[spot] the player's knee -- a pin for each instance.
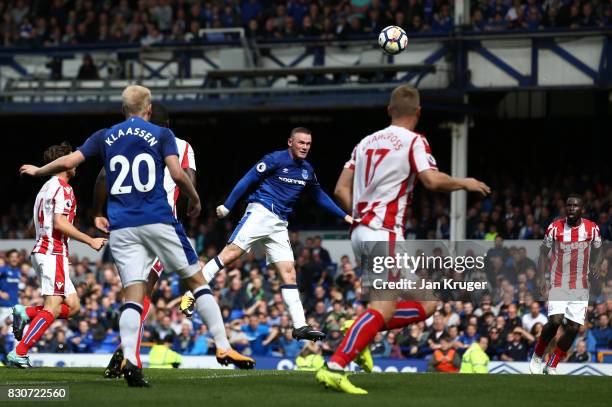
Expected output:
(572, 328)
(556, 319)
(230, 253)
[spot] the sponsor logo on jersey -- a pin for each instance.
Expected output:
(305, 174)
(261, 167)
(292, 181)
(285, 170)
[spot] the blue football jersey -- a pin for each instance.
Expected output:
(133, 153)
(280, 180)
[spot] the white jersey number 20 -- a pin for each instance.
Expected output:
(124, 164)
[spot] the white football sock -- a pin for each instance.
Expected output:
(212, 268)
(211, 315)
(291, 296)
(129, 328)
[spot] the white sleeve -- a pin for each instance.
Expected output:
(596, 237)
(549, 237)
(62, 200)
(190, 158)
(420, 156)
(350, 164)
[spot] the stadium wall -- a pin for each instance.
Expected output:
(272, 363)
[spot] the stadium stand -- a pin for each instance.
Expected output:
(62, 22)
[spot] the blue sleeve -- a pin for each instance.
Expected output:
(324, 200)
(258, 172)
(168, 143)
(93, 145)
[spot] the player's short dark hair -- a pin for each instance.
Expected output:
(575, 196)
(8, 253)
(56, 151)
(299, 130)
(159, 115)
(404, 101)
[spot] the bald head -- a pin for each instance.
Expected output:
(136, 100)
(405, 102)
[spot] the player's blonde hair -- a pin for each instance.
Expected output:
(404, 102)
(136, 100)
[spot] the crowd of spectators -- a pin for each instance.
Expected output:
(148, 22)
(257, 323)
(511, 314)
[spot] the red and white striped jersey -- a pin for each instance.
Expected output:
(187, 160)
(56, 196)
(571, 250)
(386, 165)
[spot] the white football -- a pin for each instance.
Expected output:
(393, 39)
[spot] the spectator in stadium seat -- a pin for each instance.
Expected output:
(379, 347)
(603, 332)
(469, 337)
(517, 347)
(534, 316)
(201, 342)
(331, 341)
(88, 70)
(10, 275)
(496, 344)
(59, 343)
(290, 348)
(183, 343)
(82, 341)
(260, 335)
(580, 354)
(436, 332)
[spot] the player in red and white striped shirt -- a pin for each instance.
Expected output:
(54, 212)
(572, 241)
(377, 184)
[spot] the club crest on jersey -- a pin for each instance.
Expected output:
(68, 204)
(261, 167)
(305, 174)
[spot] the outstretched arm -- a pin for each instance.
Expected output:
(441, 182)
(64, 163)
(249, 179)
(326, 202)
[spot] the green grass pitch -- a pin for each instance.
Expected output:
(201, 387)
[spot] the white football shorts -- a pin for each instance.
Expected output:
(363, 233)
(54, 273)
(134, 248)
(259, 225)
(575, 304)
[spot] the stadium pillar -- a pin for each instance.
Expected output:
(462, 13)
(459, 159)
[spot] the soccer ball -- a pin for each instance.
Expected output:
(393, 39)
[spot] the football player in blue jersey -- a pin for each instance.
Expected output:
(142, 224)
(280, 178)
